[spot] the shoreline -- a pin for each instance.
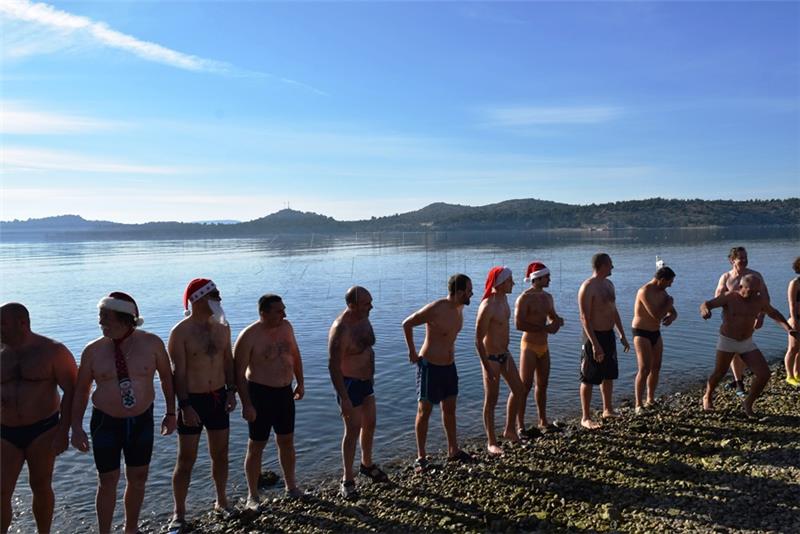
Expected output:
(674, 468)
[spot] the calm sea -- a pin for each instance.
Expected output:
(61, 282)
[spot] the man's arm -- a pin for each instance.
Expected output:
(230, 376)
(481, 329)
(794, 313)
(764, 293)
(520, 313)
(299, 388)
(556, 322)
(420, 317)
(717, 302)
(177, 353)
(335, 354)
(66, 374)
(585, 298)
(645, 297)
(170, 421)
(778, 317)
(621, 331)
(722, 285)
(83, 386)
(242, 352)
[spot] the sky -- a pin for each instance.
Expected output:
(200, 110)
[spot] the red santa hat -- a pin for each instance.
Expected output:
(536, 270)
(497, 275)
(123, 303)
(197, 289)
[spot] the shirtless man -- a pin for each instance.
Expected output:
(535, 315)
(351, 364)
(653, 307)
(491, 342)
(740, 309)
(35, 421)
(200, 350)
(597, 303)
(792, 360)
(437, 379)
(121, 364)
(729, 281)
(266, 358)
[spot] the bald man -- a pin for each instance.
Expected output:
(35, 420)
(740, 308)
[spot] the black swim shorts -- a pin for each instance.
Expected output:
(114, 435)
(274, 409)
(357, 390)
(22, 436)
(593, 372)
(210, 408)
(436, 382)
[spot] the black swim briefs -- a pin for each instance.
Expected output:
(274, 409)
(436, 382)
(652, 335)
(499, 358)
(210, 408)
(113, 435)
(22, 436)
(593, 372)
(357, 390)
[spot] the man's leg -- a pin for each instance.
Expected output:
(542, 376)
(135, 480)
(720, 368)
(41, 459)
(182, 475)
(607, 393)
(737, 369)
(790, 360)
(449, 423)
(586, 407)
(761, 373)
(252, 467)
(286, 456)
(491, 389)
(424, 409)
(515, 398)
(218, 450)
(368, 420)
(106, 499)
(644, 358)
(655, 370)
(352, 431)
(11, 460)
(527, 367)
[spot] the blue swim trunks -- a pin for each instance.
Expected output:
(436, 382)
(357, 390)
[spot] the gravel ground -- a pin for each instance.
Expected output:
(673, 469)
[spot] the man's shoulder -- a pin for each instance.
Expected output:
(149, 337)
(182, 325)
(96, 344)
(49, 346)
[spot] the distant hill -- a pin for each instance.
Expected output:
(518, 214)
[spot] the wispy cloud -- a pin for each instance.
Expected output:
(19, 118)
(64, 26)
(517, 116)
(25, 159)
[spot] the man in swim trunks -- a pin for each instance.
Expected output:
(535, 315)
(740, 309)
(200, 349)
(491, 342)
(729, 281)
(121, 364)
(35, 420)
(792, 359)
(351, 365)
(653, 307)
(597, 303)
(266, 359)
(437, 378)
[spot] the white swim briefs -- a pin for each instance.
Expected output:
(726, 344)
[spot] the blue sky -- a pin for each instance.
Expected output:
(195, 110)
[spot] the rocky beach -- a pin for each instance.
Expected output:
(673, 468)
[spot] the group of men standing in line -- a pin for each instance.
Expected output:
(201, 368)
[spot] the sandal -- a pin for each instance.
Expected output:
(176, 525)
(374, 473)
(461, 456)
(421, 465)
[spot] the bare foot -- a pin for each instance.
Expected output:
(649, 403)
(591, 425)
(707, 405)
(494, 450)
(748, 409)
(512, 437)
(543, 423)
(608, 414)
